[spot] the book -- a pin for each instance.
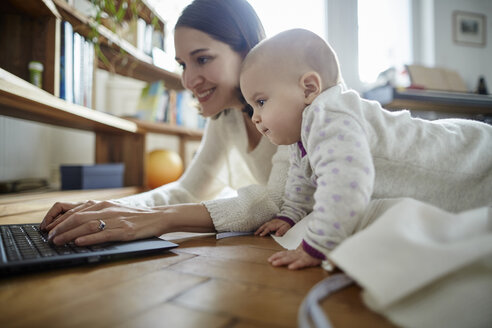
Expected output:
(77, 68)
(436, 78)
(87, 73)
(66, 62)
(152, 100)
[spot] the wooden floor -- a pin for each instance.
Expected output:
(204, 282)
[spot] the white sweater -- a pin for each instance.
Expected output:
(222, 162)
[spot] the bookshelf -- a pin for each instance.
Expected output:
(30, 29)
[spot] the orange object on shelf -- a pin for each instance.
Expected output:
(163, 166)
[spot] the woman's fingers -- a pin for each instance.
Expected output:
(71, 218)
(60, 236)
(82, 224)
(56, 210)
(70, 209)
(116, 234)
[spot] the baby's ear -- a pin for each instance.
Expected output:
(311, 84)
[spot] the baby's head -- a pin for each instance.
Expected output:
(284, 74)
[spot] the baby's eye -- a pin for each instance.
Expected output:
(261, 102)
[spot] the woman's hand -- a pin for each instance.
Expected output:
(80, 222)
(294, 259)
(278, 226)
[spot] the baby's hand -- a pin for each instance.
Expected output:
(294, 259)
(278, 225)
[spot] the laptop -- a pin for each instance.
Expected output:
(25, 248)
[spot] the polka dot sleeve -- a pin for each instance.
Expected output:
(299, 190)
(340, 158)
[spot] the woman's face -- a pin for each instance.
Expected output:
(210, 70)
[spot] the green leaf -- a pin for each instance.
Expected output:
(121, 13)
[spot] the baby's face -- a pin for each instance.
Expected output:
(277, 101)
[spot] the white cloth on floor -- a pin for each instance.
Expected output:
(421, 266)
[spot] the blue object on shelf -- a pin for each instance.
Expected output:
(92, 176)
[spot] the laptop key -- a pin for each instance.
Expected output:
(13, 254)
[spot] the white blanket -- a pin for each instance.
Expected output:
(421, 266)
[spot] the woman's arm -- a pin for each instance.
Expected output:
(123, 222)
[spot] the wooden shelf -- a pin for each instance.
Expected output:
(165, 128)
(184, 134)
(33, 8)
(428, 100)
(21, 99)
(132, 63)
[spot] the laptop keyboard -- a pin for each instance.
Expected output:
(27, 241)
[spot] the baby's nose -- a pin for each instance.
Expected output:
(256, 118)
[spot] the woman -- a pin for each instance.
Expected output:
(211, 39)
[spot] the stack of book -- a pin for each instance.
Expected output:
(77, 67)
(158, 104)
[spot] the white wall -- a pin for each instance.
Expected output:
(469, 61)
(343, 37)
(35, 150)
(432, 37)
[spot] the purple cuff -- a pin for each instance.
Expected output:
(313, 251)
(286, 219)
(301, 147)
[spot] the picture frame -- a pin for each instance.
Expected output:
(469, 28)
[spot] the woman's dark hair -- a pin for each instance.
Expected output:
(233, 22)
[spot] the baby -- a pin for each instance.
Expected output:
(346, 150)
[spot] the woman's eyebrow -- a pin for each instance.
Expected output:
(194, 52)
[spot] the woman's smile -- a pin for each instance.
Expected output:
(203, 96)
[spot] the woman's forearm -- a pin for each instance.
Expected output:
(185, 217)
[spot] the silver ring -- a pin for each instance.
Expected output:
(102, 225)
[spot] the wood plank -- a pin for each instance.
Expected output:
(75, 195)
(346, 309)
(192, 240)
(16, 204)
(251, 240)
(21, 99)
(430, 100)
(34, 8)
(234, 252)
(265, 305)
(166, 128)
(46, 49)
(65, 302)
(103, 275)
(31, 217)
(172, 315)
(241, 323)
(260, 274)
(20, 52)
